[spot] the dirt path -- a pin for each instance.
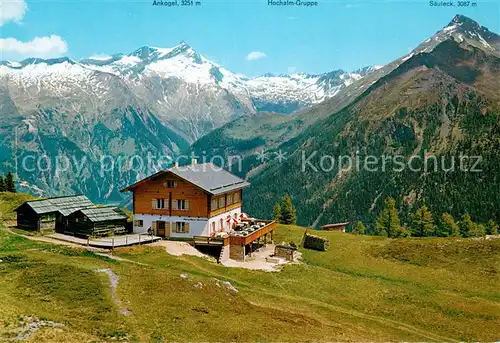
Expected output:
(54, 241)
(113, 282)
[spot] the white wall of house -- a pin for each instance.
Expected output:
(223, 216)
(197, 226)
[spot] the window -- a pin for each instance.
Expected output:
(221, 224)
(182, 205)
(229, 199)
(138, 223)
(160, 204)
(214, 204)
(171, 184)
(236, 197)
(222, 202)
(181, 227)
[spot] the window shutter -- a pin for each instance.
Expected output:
(154, 204)
(186, 227)
(153, 227)
(166, 203)
(174, 205)
(186, 204)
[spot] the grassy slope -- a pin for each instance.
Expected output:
(364, 288)
(9, 201)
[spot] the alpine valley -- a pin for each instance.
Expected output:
(151, 103)
(441, 99)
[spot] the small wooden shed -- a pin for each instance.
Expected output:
(335, 227)
(49, 214)
(97, 221)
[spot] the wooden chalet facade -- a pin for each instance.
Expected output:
(183, 202)
(199, 203)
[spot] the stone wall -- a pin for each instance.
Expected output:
(316, 242)
(284, 252)
(236, 252)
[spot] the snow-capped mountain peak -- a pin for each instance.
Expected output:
(463, 30)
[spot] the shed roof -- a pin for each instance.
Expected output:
(207, 176)
(330, 226)
(64, 205)
(100, 214)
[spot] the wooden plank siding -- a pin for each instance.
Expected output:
(227, 207)
(27, 219)
(200, 202)
(156, 189)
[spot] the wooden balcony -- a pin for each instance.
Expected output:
(235, 239)
(244, 240)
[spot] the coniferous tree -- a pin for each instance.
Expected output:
(467, 226)
(359, 229)
(479, 230)
(448, 227)
(388, 223)
(10, 186)
(491, 228)
(277, 213)
(288, 214)
(422, 223)
(2, 184)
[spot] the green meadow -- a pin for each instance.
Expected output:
(363, 288)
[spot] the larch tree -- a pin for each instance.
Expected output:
(10, 186)
(3, 188)
(467, 226)
(288, 214)
(277, 213)
(359, 229)
(491, 228)
(423, 223)
(448, 227)
(388, 223)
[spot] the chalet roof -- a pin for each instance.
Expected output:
(99, 214)
(329, 226)
(64, 205)
(207, 176)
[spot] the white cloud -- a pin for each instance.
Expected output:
(255, 55)
(100, 57)
(12, 10)
(38, 47)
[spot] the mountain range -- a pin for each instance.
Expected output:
(188, 93)
(442, 98)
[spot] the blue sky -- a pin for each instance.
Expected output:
(333, 35)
